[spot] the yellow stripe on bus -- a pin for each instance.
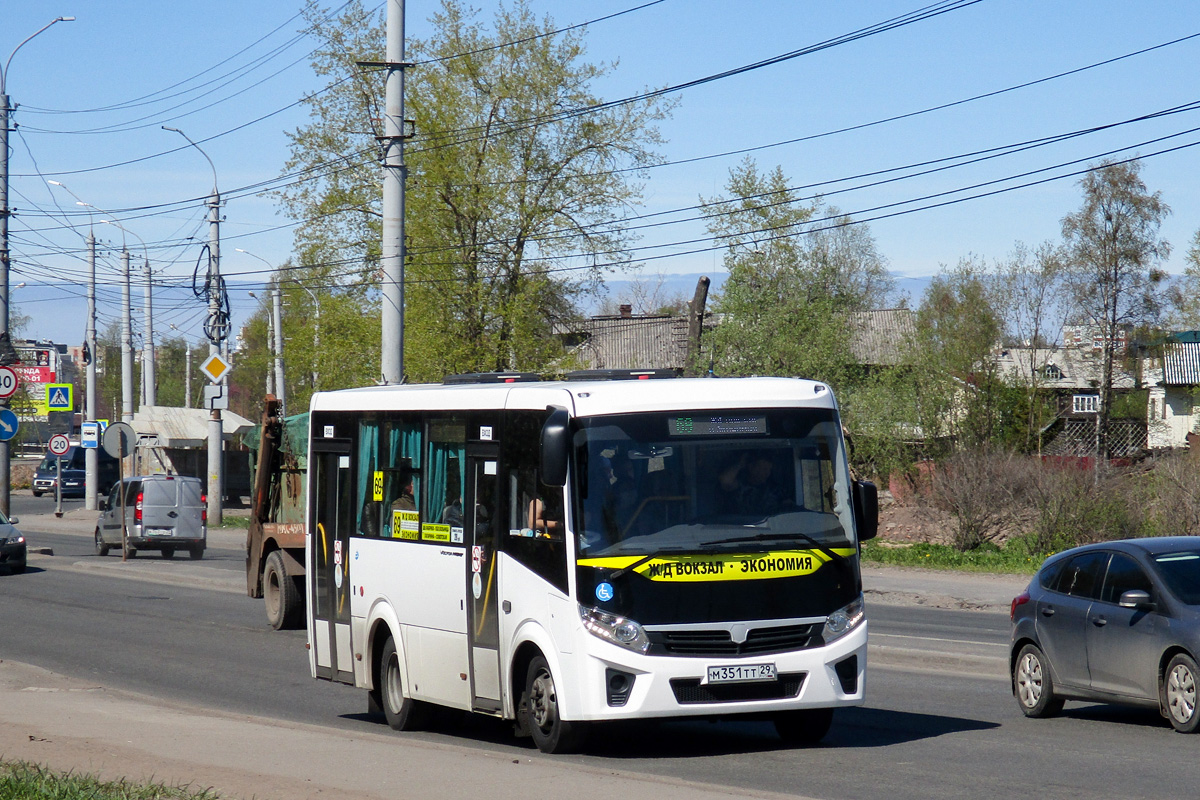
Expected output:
(722, 567)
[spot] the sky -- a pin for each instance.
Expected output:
(851, 122)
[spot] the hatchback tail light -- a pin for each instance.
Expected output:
(204, 508)
(137, 508)
(1019, 600)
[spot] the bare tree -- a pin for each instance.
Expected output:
(1113, 251)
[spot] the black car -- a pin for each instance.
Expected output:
(12, 546)
(74, 473)
(1115, 622)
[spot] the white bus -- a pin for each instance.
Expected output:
(562, 553)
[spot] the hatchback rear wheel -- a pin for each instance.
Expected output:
(1179, 693)
(1032, 684)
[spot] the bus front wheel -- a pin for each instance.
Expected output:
(551, 733)
(402, 713)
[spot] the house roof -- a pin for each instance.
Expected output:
(1181, 364)
(184, 427)
(650, 342)
(1063, 368)
(882, 337)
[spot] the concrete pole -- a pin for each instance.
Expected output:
(91, 456)
(395, 173)
(187, 374)
(216, 465)
(5, 107)
(5, 465)
(149, 394)
(126, 342)
(277, 320)
(270, 341)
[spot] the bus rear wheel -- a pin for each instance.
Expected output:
(402, 713)
(804, 727)
(551, 733)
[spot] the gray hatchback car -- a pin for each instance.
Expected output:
(1115, 622)
(162, 512)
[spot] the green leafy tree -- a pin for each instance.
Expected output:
(1183, 295)
(793, 280)
(515, 176)
(1113, 255)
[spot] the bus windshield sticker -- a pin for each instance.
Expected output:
(722, 567)
(406, 525)
(435, 533)
(377, 487)
(456, 535)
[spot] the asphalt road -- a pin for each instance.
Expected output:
(940, 727)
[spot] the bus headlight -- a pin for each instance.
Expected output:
(616, 629)
(844, 620)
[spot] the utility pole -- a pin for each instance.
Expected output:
(91, 455)
(217, 329)
(126, 341)
(277, 324)
(149, 393)
(395, 174)
(5, 108)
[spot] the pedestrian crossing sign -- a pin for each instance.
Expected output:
(60, 397)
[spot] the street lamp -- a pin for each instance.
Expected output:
(91, 413)
(5, 107)
(187, 367)
(216, 330)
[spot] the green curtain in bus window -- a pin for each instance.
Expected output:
(368, 451)
(403, 462)
(445, 475)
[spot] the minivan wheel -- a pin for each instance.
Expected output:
(101, 547)
(168, 552)
(1179, 692)
(1032, 684)
(197, 552)
(130, 552)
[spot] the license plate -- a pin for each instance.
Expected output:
(741, 673)
(160, 532)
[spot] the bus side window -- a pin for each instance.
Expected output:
(535, 514)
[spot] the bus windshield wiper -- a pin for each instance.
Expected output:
(771, 537)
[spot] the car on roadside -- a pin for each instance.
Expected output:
(161, 512)
(1113, 622)
(13, 550)
(74, 473)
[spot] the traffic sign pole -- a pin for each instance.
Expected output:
(58, 445)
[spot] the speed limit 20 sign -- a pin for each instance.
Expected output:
(8, 382)
(59, 444)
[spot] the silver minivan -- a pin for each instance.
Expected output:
(162, 512)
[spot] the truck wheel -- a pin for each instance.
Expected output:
(101, 547)
(280, 594)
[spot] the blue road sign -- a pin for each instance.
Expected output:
(8, 424)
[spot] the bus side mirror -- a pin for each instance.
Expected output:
(866, 510)
(556, 444)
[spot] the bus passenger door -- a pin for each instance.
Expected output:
(332, 519)
(482, 534)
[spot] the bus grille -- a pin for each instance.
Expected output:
(690, 690)
(717, 642)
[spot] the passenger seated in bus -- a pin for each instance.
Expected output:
(746, 486)
(545, 518)
(406, 501)
(452, 514)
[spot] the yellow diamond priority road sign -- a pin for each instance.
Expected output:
(215, 367)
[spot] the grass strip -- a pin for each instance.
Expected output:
(20, 780)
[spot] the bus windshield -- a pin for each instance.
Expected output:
(710, 482)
